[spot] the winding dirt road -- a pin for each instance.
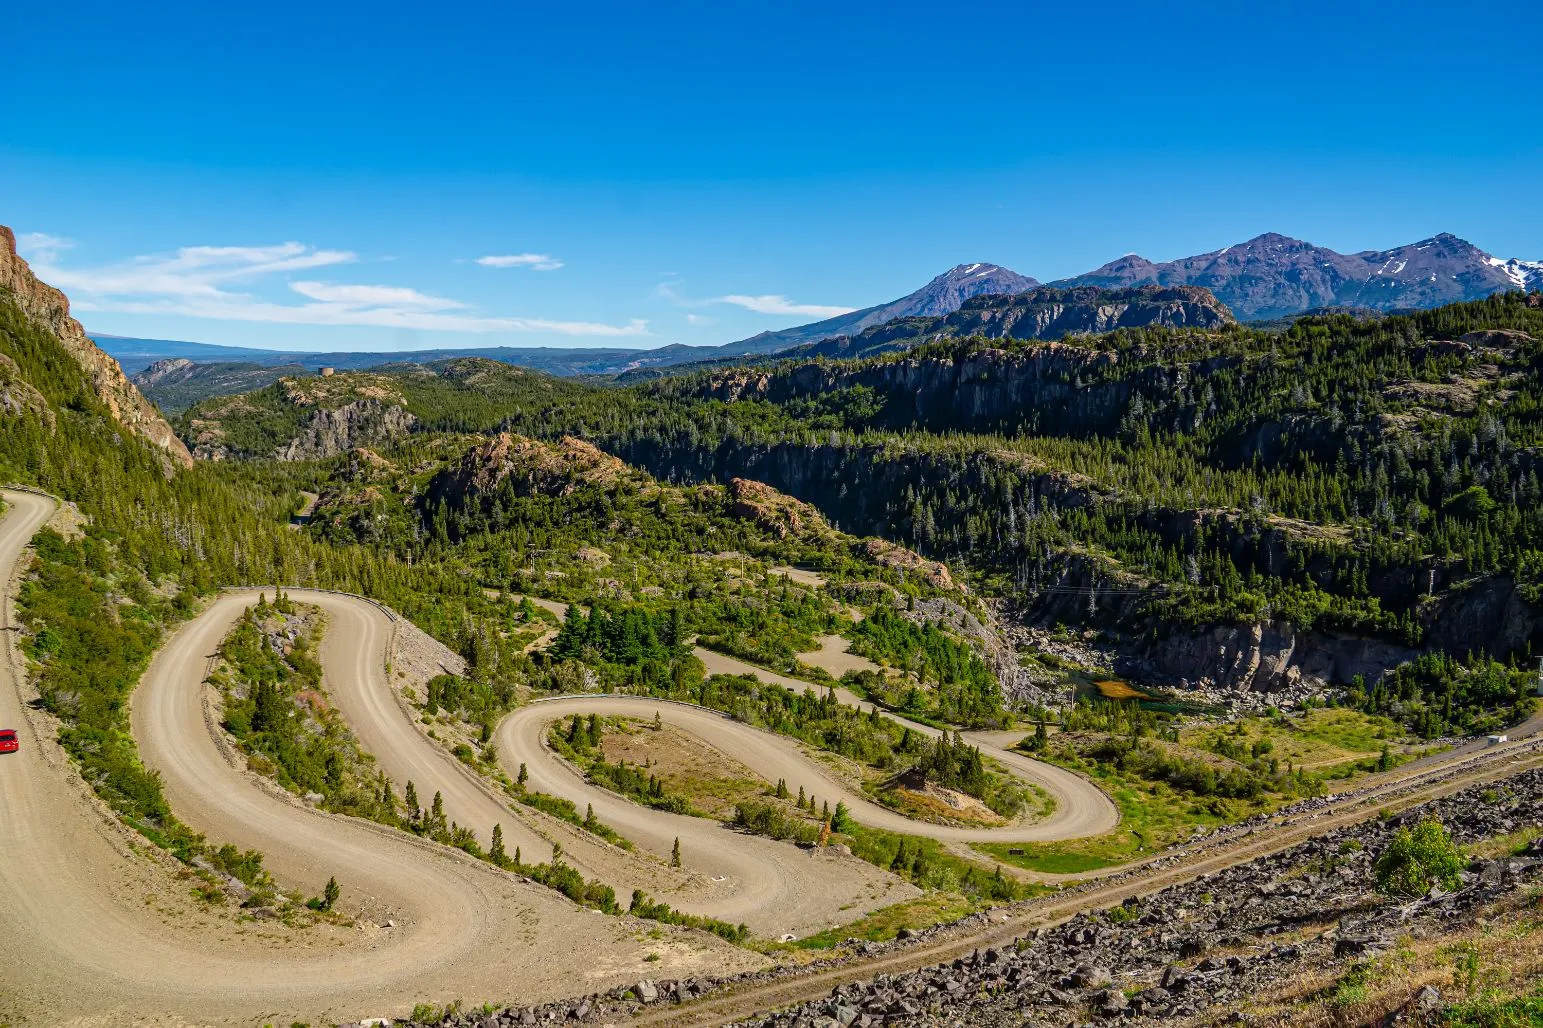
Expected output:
(96, 930)
(1081, 808)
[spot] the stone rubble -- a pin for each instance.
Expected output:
(1219, 939)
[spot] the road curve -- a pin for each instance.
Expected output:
(93, 930)
(758, 882)
(1081, 808)
(521, 737)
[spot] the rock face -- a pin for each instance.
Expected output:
(1273, 276)
(776, 512)
(534, 468)
(329, 432)
(50, 309)
(176, 383)
(976, 389)
(932, 572)
(1043, 313)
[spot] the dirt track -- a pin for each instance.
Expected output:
(95, 931)
(1081, 808)
(95, 928)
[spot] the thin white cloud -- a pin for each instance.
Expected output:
(533, 261)
(773, 304)
(374, 296)
(194, 281)
(768, 304)
(376, 317)
(698, 319)
(192, 271)
(40, 246)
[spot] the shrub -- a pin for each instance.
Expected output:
(1416, 860)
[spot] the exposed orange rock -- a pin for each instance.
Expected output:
(50, 309)
(775, 511)
(890, 555)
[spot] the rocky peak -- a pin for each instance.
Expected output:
(50, 309)
(535, 467)
(776, 512)
(1274, 275)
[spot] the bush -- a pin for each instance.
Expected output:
(1416, 860)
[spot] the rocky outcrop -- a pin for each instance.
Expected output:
(890, 555)
(50, 309)
(776, 512)
(330, 432)
(533, 467)
(172, 369)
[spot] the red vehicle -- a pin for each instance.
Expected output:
(8, 743)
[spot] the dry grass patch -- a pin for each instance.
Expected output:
(1116, 690)
(1482, 964)
(708, 779)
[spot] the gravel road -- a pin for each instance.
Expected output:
(95, 929)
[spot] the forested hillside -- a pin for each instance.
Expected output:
(1254, 509)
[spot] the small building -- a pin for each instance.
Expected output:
(1496, 740)
(328, 372)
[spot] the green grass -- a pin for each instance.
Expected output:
(1521, 1012)
(884, 924)
(1152, 817)
(1314, 738)
(1030, 858)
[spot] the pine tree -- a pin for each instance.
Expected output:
(413, 811)
(524, 775)
(437, 825)
(675, 853)
(800, 797)
(330, 894)
(496, 849)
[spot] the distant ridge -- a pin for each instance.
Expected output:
(943, 295)
(1271, 278)
(1274, 276)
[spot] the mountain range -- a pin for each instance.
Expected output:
(943, 295)
(1044, 312)
(1274, 276)
(1266, 278)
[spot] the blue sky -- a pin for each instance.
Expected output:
(319, 176)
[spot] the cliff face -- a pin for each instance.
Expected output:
(330, 432)
(49, 308)
(536, 468)
(1044, 313)
(1069, 386)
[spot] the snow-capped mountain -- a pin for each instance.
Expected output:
(1273, 276)
(943, 295)
(1527, 275)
